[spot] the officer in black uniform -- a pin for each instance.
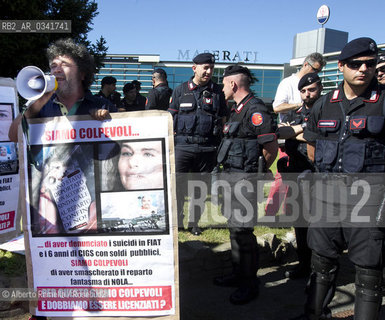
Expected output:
(347, 130)
(291, 129)
(198, 108)
(249, 147)
(159, 96)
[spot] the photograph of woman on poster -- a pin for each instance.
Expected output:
(135, 166)
(5, 120)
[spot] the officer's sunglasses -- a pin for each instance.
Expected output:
(356, 64)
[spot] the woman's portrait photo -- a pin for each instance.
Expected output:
(131, 165)
(6, 117)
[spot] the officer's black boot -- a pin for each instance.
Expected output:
(245, 252)
(229, 280)
(368, 294)
(321, 287)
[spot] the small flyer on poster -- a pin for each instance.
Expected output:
(101, 228)
(9, 164)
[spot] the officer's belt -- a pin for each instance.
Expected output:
(349, 179)
(192, 140)
(371, 162)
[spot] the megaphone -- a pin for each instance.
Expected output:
(32, 83)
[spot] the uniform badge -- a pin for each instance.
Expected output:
(170, 99)
(226, 128)
(185, 105)
(327, 124)
(256, 119)
(208, 101)
(357, 124)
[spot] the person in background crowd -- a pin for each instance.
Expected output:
(291, 129)
(140, 100)
(108, 90)
(159, 96)
(288, 98)
(199, 109)
(129, 102)
(380, 69)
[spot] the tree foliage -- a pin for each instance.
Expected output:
(18, 50)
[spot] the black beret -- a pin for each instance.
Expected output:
(108, 80)
(128, 87)
(308, 79)
(380, 60)
(357, 48)
(236, 69)
(204, 58)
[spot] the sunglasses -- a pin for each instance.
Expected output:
(382, 69)
(356, 64)
(314, 69)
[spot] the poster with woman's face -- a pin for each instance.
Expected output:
(132, 166)
(6, 117)
(132, 186)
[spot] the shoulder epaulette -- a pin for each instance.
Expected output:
(336, 96)
(374, 96)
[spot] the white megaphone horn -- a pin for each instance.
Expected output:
(32, 83)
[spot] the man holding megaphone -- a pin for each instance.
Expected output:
(73, 69)
(65, 92)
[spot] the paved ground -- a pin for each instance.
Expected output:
(279, 298)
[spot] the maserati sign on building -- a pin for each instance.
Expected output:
(221, 55)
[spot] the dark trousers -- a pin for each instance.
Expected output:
(244, 254)
(192, 162)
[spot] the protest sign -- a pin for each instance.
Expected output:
(9, 168)
(102, 231)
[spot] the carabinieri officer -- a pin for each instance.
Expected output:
(249, 147)
(347, 133)
(199, 109)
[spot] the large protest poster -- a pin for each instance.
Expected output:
(9, 165)
(102, 236)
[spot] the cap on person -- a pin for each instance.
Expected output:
(380, 61)
(236, 69)
(308, 79)
(357, 48)
(204, 58)
(108, 80)
(128, 87)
